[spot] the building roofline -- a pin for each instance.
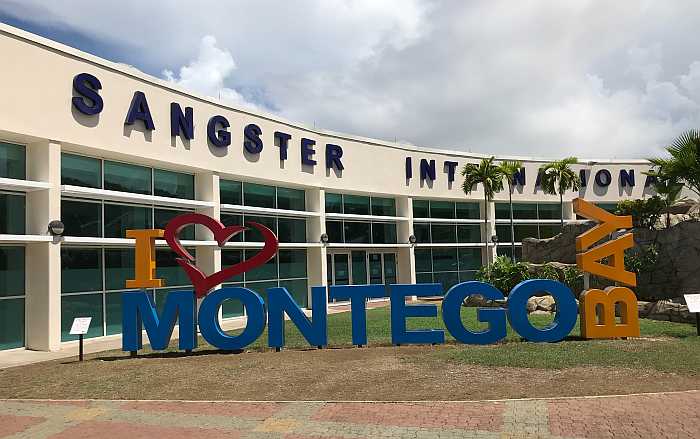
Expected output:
(137, 74)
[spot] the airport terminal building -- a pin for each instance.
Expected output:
(105, 148)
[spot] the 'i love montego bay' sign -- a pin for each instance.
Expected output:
(139, 310)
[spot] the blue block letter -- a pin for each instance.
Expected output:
(138, 110)
(564, 319)
(138, 308)
(357, 295)
(495, 317)
(399, 312)
(89, 102)
(209, 318)
(279, 302)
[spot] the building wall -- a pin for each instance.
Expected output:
(38, 113)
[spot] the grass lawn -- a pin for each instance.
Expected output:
(666, 357)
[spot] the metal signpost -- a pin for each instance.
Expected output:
(693, 302)
(80, 328)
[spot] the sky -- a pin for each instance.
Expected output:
(594, 79)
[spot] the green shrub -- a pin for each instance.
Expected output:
(504, 274)
(641, 259)
(645, 212)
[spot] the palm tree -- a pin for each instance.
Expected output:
(684, 164)
(668, 188)
(558, 177)
(490, 177)
(508, 169)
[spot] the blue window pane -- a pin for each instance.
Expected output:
(81, 218)
(173, 184)
(334, 203)
(231, 192)
(12, 208)
(11, 323)
(13, 161)
(259, 195)
(83, 305)
(77, 170)
(127, 178)
(261, 288)
(291, 199)
(11, 271)
(119, 218)
(81, 269)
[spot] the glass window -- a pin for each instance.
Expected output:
(12, 211)
(356, 204)
(549, 211)
(83, 305)
(549, 230)
(230, 192)
(81, 269)
(469, 258)
(421, 209)
(261, 287)
(468, 233)
(421, 232)
(119, 266)
(299, 289)
(77, 170)
(263, 272)
(292, 263)
(443, 233)
(523, 231)
(610, 207)
(232, 308)
(442, 209)
(259, 195)
(334, 203)
(506, 251)
(384, 233)
(503, 232)
(11, 323)
(334, 230)
(173, 184)
(81, 218)
(113, 311)
(291, 230)
(169, 270)
(424, 278)
(375, 268)
(233, 220)
(359, 267)
(502, 211)
(11, 271)
(291, 199)
(444, 259)
(465, 276)
(121, 217)
(229, 258)
(383, 206)
(468, 211)
(524, 211)
(127, 178)
(423, 259)
(447, 280)
(161, 218)
(254, 235)
(356, 232)
(13, 162)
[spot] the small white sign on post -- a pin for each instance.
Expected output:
(693, 302)
(80, 325)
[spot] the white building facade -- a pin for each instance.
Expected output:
(105, 148)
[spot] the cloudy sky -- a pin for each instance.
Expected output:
(601, 79)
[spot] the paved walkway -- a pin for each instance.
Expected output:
(668, 415)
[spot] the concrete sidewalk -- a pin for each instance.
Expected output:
(662, 415)
(21, 357)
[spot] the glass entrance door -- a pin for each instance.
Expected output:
(360, 267)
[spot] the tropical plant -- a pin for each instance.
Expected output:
(490, 177)
(508, 169)
(669, 190)
(645, 212)
(504, 274)
(683, 165)
(642, 259)
(558, 177)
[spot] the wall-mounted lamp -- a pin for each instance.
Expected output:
(56, 228)
(324, 239)
(412, 239)
(494, 239)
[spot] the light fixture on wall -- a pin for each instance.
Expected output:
(494, 239)
(56, 228)
(412, 239)
(324, 239)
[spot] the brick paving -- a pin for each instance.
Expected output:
(663, 415)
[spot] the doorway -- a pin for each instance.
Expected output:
(361, 267)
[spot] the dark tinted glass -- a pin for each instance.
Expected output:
(259, 195)
(444, 259)
(424, 278)
(13, 161)
(468, 233)
(442, 209)
(121, 217)
(11, 323)
(356, 232)
(291, 199)
(169, 270)
(334, 230)
(523, 231)
(81, 171)
(443, 233)
(119, 267)
(384, 233)
(264, 272)
(447, 280)
(359, 267)
(383, 206)
(253, 234)
(421, 209)
(161, 217)
(421, 232)
(502, 211)
(232, 257)
(291, 230)
(468, 211)
(233, 220)
(81, 218)
(549, 230)
(334, 203)
(299, 290)
(423, 259)
(524, 211)
(11, 272)
(83, 305)
(469, 258)
(356, 204)
(549, 211)
(12, 211)
(230, 192)
(503, 232)
(81, 269)
(173, 184)
(292, 263)
(127, 178)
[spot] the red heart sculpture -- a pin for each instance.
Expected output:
(203, 284)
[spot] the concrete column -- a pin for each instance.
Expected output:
(569, 211)
(489, 254)
(317, 271)
(406, 255)
(206, 186)
(43, 259)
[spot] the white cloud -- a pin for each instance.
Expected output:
(592, 78)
